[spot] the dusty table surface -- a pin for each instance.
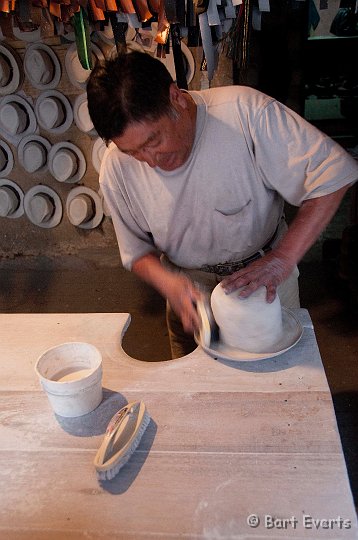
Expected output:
(230, 444)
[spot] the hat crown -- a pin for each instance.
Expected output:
(41, 207)
(39, 66)
(80, 209)
(64, 164)
(51, 112)
(9, 201)
(3, 159)
(14, 118)
(84, 116)
(34, 156)
(5, 71)
(250, 324)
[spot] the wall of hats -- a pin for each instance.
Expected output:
(50, 153)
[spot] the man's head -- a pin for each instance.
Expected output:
(134, 102)
(128, 88)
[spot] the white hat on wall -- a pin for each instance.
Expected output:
(32, 153)
(43, 206)
(76, 73)
(17, 118)
(66, 162)
(42, 67)
(81, 115)
(54, 111)
(11, 74)
(11, 199)
(84, 208)
(6, 159)
(98, 149)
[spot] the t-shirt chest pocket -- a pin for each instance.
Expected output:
(232, 223)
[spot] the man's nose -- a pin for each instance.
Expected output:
(149, 156)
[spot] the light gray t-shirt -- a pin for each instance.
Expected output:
(249, 155)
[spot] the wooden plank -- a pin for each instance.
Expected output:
(202, 422)
(160, 494)
(24, 337)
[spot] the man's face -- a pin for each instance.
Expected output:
(165, 143)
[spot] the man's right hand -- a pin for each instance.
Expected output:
(180, 292)
(182, 296)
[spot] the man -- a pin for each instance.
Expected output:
(196, 183)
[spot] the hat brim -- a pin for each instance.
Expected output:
(32, 125)
(16, 69)
(55, 61)
(33, 138)
(57, 215)
(67, 108)
(20, 210)
(10, 159)
(292, 333)
(97, 218)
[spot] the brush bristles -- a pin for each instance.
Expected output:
(113, 471)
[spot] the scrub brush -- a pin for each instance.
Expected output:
(122, 437)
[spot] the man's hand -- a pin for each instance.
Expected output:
(180, 292)
(269, 271)
(182, 295)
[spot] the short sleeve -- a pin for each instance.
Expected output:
(296, 159)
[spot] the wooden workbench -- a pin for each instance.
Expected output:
(226, 440)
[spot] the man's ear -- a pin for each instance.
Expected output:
(177, 97)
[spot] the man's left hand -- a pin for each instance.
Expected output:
(269, 271)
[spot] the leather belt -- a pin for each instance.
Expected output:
(228, 268)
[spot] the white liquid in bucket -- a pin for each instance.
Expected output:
(74, 375)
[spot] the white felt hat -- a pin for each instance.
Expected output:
(43, 206)
(11, 199)
(66, 162)
(81, 115)
(11, 74)
(84, 208)
(17, 118)
(6, 159)
(98, 149)
(76, 73)
(250, 328)
(42, 67)
(106, 210)
(32, 153)
(54, 111)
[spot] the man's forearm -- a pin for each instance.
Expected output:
(150, 269)
(311, 219)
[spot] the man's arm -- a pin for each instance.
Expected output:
(311, 219)
(175, 287)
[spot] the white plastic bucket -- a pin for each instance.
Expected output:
(71, 375)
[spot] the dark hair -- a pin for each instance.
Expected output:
(127, 88)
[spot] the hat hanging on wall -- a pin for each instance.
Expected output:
(11, 74)
(66, 162)
(43, 206)
(76, 73)
(54, 111)
(17, 118)
(6, 159)
(81, 115)
(98, 149)
(105, 207)
(84, 208)
(11, 199)
(42, 67)
(32, 153)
